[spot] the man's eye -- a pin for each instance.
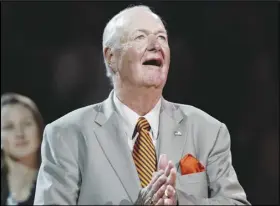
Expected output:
(162, 37)
(139, 37)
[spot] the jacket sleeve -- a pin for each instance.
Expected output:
(59, 176)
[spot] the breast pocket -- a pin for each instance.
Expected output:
(195, 184)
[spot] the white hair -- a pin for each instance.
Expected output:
(113, 32)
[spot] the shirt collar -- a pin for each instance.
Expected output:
(130, 117)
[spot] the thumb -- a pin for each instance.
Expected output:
(163, 162)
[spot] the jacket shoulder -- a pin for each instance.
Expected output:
(76, 117)
(196, 115)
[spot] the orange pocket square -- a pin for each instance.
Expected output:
(189, 164)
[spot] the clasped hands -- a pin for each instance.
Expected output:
(161, 189)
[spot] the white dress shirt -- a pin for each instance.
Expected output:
(130, 118)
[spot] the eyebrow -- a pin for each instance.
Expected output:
(147, 32)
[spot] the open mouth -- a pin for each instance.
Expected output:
(153, 62)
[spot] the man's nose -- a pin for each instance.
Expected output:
(153, 44)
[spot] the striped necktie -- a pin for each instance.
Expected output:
(144, 154)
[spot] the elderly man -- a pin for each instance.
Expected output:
(136, 147)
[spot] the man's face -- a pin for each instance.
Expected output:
(144, 57)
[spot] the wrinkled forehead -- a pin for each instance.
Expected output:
(141, 20)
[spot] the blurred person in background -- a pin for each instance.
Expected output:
(21, 136)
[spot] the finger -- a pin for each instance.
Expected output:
(170, 191)
(168, 168)
(160, 202)
(163, 161)
(155, 176)
(159, 194)
(174, 200)
(167, 201)
(159, 182)
(172, 177)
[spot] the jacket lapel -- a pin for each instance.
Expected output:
(171, 141)
(172, 133)
(113, 141)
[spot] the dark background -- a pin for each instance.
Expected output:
(223, 61)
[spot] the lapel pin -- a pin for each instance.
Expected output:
(178, 133)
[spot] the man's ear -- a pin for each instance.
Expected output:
(110, 57)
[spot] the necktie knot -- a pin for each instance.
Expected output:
(143, 124)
